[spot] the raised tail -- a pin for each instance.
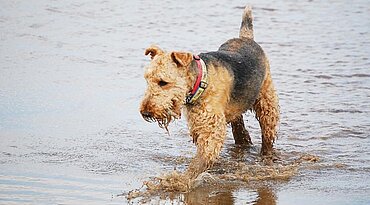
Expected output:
(246, 28)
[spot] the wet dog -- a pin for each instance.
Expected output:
(214, 89)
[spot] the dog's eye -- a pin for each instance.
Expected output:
(162, 83)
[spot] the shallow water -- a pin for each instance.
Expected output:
(71, 81)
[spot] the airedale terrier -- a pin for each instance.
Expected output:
(215, 89)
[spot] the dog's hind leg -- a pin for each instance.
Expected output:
(240, 134)
(267, 112)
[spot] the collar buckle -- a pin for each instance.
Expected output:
(203, 84)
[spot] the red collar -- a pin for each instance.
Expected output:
(201, 82)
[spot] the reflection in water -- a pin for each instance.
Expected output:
(265, 197)
(260, 196)
(231, 195)
(209, 196)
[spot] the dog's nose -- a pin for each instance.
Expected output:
(146, 114)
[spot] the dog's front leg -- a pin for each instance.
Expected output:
(208, 133)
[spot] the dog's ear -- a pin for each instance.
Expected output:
(182, 58)
(153, 51)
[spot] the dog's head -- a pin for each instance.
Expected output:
(168, 82)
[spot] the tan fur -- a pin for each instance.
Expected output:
(208, 118)
(267, 112)
(170, 77)
(233, 111)
(246, 29)
(182, 58)
(165, 102)
(153, 51)
(207, 121)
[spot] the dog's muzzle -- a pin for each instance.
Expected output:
(148, 116)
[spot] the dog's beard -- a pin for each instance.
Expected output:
(164, 119)
(167, 114)
(164, 122)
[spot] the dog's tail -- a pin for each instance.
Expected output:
(246, 28)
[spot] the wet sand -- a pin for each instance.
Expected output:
(71, 82)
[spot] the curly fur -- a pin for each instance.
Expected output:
(239, 80)
(267, 112)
